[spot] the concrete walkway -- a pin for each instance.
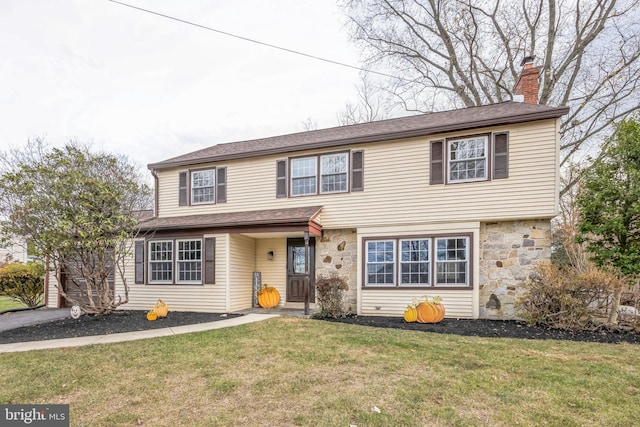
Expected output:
(129, 336)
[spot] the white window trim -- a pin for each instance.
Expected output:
(485, 158)
(193, 187)
(151, 262)
(347, 172)
(436, 284)
(433, 262)
(429, 262)
(315, 176)
(394, 263)
(177, 263)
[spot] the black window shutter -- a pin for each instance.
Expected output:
(357, 171)
(281, 178)
(139, 262)
(437, 163)
(221, 184)
(500, 155)
(210, 260)
(182, 189)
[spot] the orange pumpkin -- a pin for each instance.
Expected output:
(441, 308)
(410, 314)
(430, 312)
(151, 315)
(160, 308)
(268, 297)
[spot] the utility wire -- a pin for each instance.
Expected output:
(204, 27)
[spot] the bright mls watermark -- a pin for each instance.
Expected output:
(34, 415)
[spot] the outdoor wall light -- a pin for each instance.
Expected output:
(270, 255)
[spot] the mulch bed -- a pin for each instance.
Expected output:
(131, 320)
(494, 329)
(117, 322)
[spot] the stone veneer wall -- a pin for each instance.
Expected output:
(508, 253)
(336, 252)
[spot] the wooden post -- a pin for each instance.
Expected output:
(306, 273)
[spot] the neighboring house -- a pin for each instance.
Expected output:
(456, 204)
(13, 251)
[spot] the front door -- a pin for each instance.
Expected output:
(296, 270)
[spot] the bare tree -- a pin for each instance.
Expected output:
(463, 53)
(371, 105)
(309, 124)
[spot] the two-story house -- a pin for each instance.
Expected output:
(455, 203)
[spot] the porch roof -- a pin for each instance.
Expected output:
(267, 220)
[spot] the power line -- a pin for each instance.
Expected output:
(247, 39)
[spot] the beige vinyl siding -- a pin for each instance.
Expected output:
(242, 256)
(393, 302)
(203, 298)
(458, 304)
(273, 272)
(396, 183)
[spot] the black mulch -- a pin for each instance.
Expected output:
(131, 320)
(494, 329)
(117, 322)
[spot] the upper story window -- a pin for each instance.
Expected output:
(202, 186)
(320, 174)
(303, 176)
(333, 173)
(467, 159)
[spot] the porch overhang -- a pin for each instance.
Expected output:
(298, 219)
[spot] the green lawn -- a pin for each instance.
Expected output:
(287, 372)
(7, 303)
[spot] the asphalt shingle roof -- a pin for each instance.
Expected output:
(403, 127)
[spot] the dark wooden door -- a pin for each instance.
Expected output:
(296, 270)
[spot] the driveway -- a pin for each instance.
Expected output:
(17, 319)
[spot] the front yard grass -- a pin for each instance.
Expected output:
(289, 371)
(7, 303)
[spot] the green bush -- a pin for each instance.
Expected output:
(330, 295)
(23, 282)
(567, 298)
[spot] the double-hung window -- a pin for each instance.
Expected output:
(189, 261)
(333, 173)
(161, 261)
(418, 261)
(178, 261)
(468, 159)
(322, 174)
(381, 262)
(203, 184)
(304, 175)
(452, 261)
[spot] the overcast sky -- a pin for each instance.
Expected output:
(151, 88)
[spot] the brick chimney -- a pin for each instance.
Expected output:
(527, 84)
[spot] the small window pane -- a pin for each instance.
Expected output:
(202, 186)
(334, 173)
(189, 263)
(415, 262)
(303, 176)
(452, 261)
(381, 262)
(160, 262)
(468, 159)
